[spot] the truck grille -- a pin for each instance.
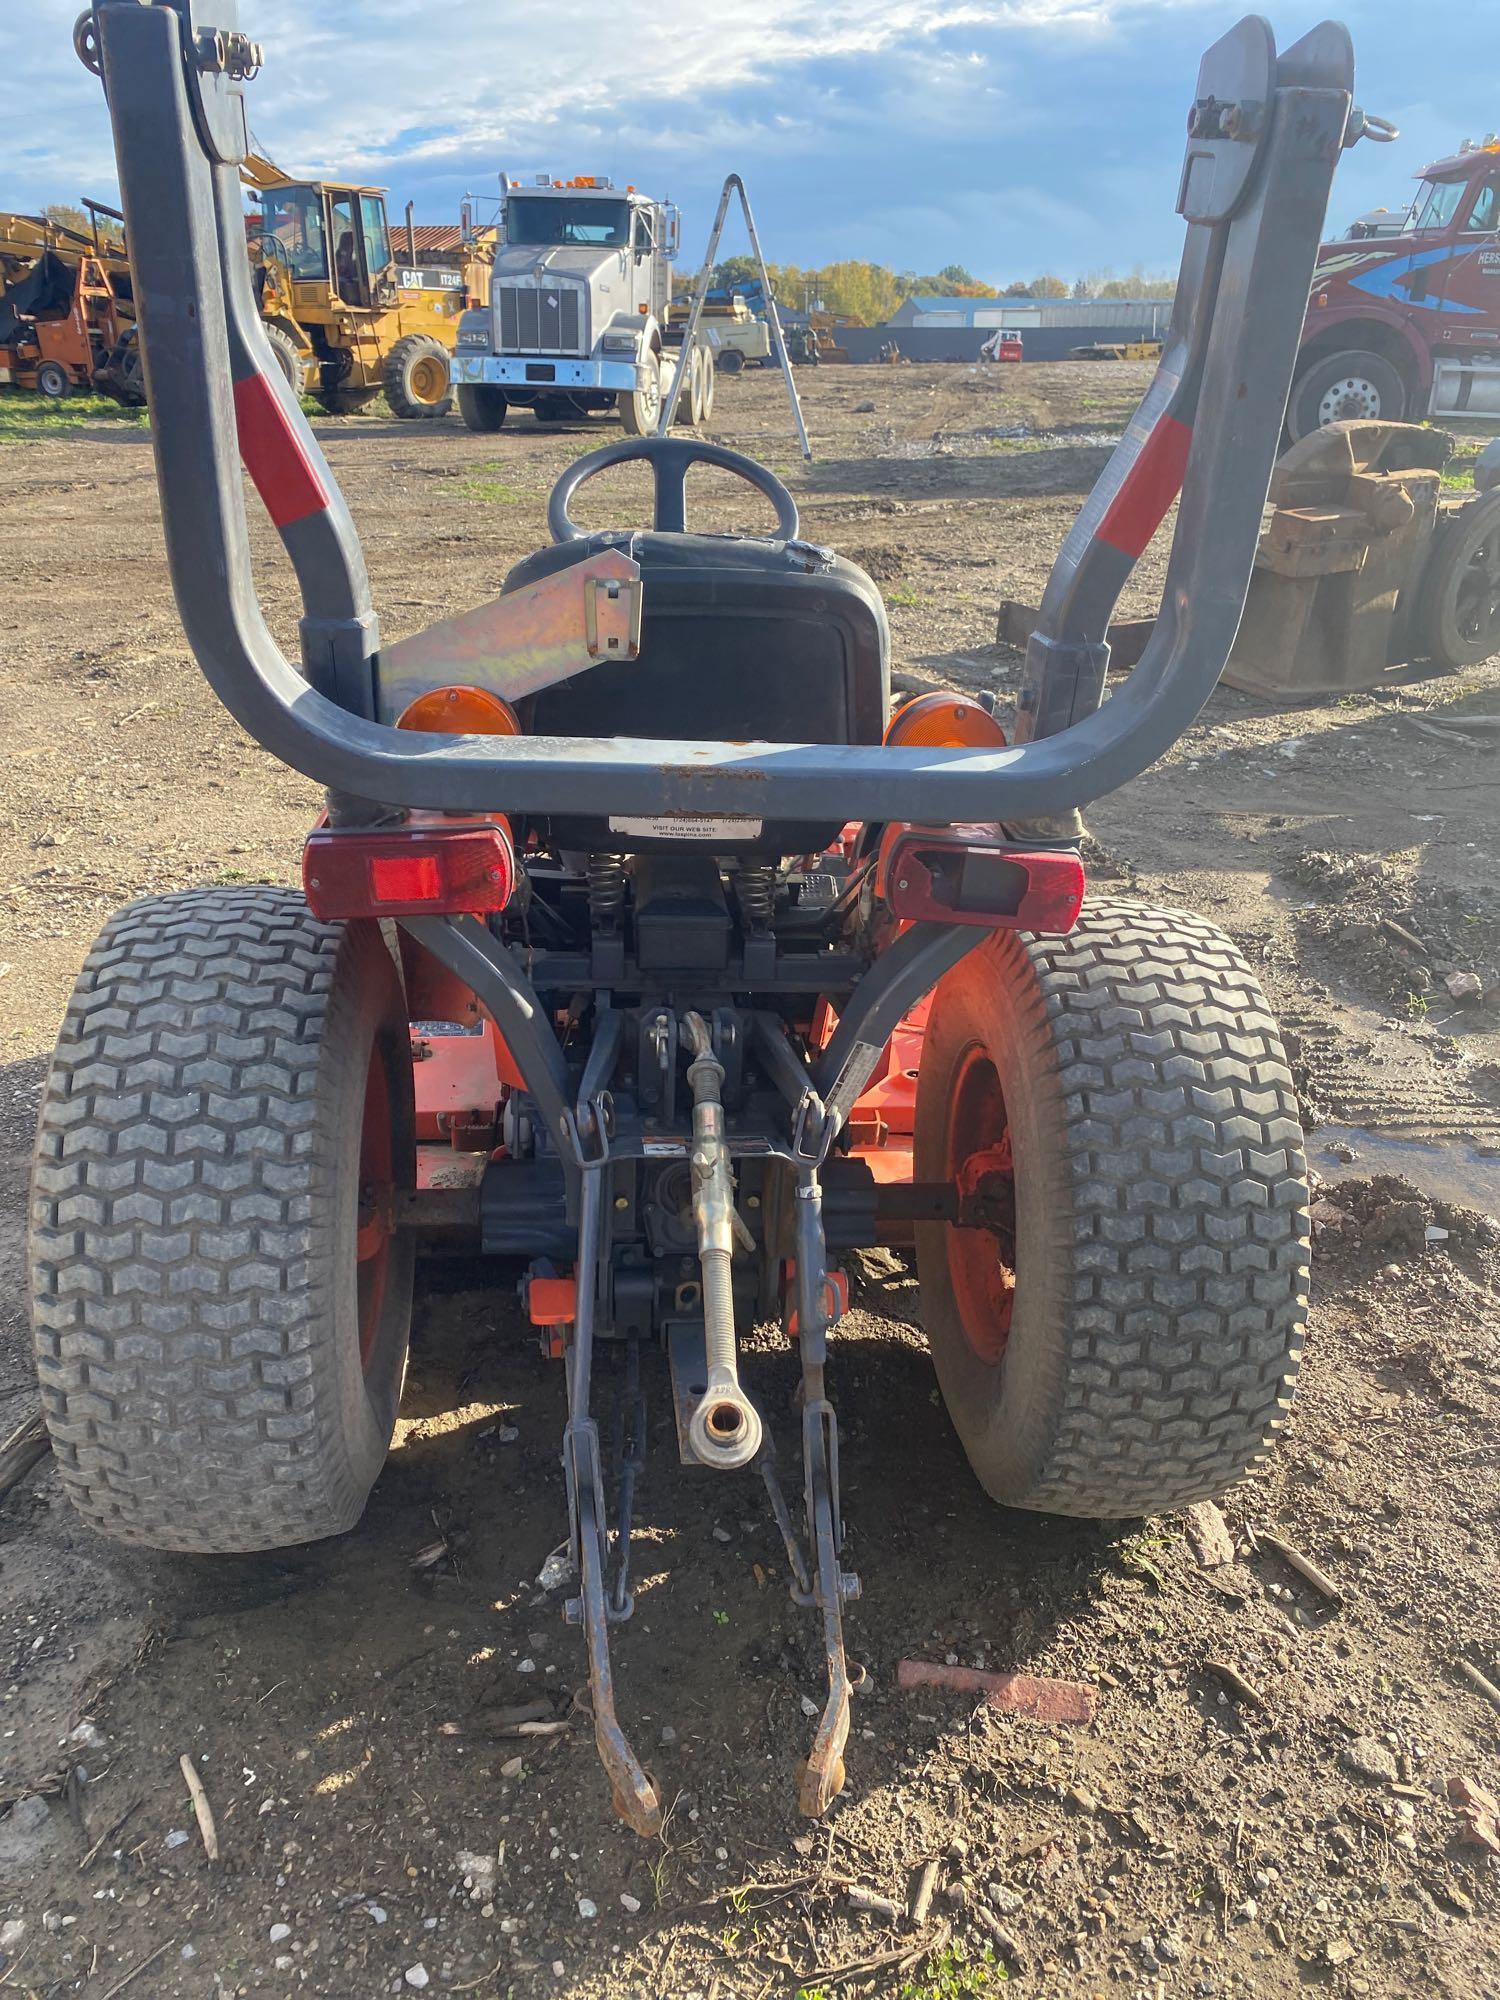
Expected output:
(540, 319)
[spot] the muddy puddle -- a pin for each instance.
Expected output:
(1451, 1170)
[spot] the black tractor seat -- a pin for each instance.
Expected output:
(742, 640)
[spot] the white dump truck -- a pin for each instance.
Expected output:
(578, 310)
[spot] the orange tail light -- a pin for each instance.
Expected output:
(463, 711)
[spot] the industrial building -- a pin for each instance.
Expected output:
(953, 329)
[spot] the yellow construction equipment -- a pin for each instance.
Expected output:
(348, 317)
(825, 327)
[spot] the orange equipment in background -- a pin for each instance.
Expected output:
(67, 311)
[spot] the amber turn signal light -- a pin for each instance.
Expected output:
(944, 722)
(460, 711)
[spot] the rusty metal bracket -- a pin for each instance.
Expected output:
(531, 638)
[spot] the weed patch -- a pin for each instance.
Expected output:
(24, 415)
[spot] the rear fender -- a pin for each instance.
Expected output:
(468, 1072)
(1393, 340)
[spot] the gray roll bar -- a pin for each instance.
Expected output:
(1264, 138)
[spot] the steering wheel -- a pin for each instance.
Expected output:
(669, 459)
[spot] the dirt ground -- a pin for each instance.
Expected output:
(378, 1835)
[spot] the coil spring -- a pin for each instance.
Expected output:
(755, 890)
(606, 878)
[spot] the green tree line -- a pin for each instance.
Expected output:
(63, 215)
(869, 293)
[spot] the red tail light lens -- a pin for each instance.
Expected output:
(404, 878)
(931, 877)
(421, 871)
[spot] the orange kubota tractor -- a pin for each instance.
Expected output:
(633, 896)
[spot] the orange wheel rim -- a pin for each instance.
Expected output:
(982, 1254)
(376, 1226)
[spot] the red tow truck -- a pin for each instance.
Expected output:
(1406, 325)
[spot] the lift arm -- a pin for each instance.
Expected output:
(1265, 136)
(258, 172)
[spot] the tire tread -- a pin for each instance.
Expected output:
(1180, 1226)
(1189, 1210)
(181, 1232)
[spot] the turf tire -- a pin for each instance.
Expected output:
(198, 1304)
(1160, 1264)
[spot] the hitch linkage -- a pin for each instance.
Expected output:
(822, 1777)
(822, 1583)
(636, 1798)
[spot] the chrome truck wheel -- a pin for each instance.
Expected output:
(1344, 388)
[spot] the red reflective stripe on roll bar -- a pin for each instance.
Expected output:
(274, 456)
(1150, 487)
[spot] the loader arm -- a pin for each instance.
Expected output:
(258, 172)
(1265, 136)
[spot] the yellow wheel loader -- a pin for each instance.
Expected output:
(347, 319)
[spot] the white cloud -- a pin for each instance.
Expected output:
(430, 97)
(352, 84)
(497, 76)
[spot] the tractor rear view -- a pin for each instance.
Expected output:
(707, 968)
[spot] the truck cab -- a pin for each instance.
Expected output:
(1406, 324)
(578, 305)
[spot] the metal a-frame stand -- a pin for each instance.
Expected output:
(734, 185)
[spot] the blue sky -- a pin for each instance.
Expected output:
(1009, 135)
